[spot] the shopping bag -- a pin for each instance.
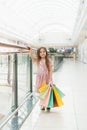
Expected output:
(44, 102)
(59, 91)
(43, 87)
(50, 96)
(43, 94)
(50, 101)
(55, 104)
(57, 99)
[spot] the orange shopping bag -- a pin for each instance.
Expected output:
(57, 99)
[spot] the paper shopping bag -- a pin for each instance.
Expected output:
(43, 88)
(43, 94)
(59, 92)
(50, 101)
(55, 104)
(57, 99)
(44, 102)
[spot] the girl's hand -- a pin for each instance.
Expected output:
(30, 50)
(50, 84)
(28, 47)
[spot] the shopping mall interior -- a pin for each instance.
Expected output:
(60, 26)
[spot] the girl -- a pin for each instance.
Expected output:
(44, 73)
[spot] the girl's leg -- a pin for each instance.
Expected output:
(42, 108)
(48, 108)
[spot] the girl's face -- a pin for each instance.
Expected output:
(42, 53)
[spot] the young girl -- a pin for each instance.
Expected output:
(44, 73)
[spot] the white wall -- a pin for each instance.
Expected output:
(82, 52)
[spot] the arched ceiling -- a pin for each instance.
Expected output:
(33, 20)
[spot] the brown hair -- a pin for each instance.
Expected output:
(39, 58)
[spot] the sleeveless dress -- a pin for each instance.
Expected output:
(43, 75)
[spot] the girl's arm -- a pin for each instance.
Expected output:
(31, 55)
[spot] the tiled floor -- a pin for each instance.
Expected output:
(71, 78)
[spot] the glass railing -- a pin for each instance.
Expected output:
(19, 75)
(15, 91)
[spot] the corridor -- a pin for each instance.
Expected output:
(71, 79)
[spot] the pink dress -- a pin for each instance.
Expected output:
(43, 75)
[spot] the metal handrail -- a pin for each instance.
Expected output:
(4, 122)
(12, 46)
(23, 49)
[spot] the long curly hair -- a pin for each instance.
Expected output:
(46, 58)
